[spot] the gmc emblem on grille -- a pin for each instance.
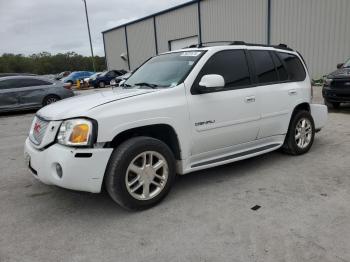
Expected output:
(37, 128)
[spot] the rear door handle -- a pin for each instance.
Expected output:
(292, 92)
(249, 99)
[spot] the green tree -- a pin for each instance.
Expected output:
(46, 63)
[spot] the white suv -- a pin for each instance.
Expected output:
(181, 111)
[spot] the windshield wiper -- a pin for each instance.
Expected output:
(154, 86)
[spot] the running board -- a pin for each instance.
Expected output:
(237, 155)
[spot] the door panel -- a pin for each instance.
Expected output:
(224, 116)
(8, 94)
(8, 99)
(32, 92)
(32, 96)
(274, 103)
(223, 119)
(274, 97)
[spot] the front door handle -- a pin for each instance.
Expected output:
(249, 99)
(292, 92)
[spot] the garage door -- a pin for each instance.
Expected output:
(184, 42)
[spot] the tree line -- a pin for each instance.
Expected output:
(45, 63)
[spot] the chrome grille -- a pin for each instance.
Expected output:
(38, 130)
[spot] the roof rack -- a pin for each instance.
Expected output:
(280, 46)
(204, 44)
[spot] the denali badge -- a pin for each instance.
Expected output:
(205, 123)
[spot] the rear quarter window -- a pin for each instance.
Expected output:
(295, 69)
(264, 66)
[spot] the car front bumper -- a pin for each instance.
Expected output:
(82, 168)
(336, 95)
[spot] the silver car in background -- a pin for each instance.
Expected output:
(29, 92)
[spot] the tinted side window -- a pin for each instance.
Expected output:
(281, 70)
(10, 83)
(231, 64)
(34, 82)
(294, 67)
(264, 67)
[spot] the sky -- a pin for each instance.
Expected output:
(58, 26)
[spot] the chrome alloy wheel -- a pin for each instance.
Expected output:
(51, 100)
(146, 175)
(303, 133)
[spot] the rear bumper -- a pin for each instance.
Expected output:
(319, 114)
(79, 173)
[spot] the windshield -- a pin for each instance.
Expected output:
(166, 70)
(347, 63)
(95, 75)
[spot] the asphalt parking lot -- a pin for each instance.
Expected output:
(304, 212)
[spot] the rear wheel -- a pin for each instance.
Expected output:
(300, 135)
(140, 173)
(50, 99)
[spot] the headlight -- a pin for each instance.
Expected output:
(76, 132)
(328, 81)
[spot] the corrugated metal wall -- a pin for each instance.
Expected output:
(234, 20)
(141, 42)
(115, 45)
(177, 24)
(319, 29)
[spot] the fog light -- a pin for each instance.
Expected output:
(59, 170)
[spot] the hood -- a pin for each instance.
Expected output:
(340, 73)
(81, 105)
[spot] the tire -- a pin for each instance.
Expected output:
(119, 173)
(101, 84)
(334, 105)
(294, 146)
(50, 99)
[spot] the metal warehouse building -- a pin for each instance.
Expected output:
(319, 29)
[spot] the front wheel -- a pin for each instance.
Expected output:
(301, 133)
(101, 84)
(140, 173)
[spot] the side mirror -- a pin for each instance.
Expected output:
(212, 81)
(340, 65)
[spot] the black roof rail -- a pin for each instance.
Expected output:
(203, 44)
(280, 46)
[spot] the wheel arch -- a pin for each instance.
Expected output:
(162, 132)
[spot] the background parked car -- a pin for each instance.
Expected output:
(336, 88)
(116, 81)
(28, 92)
(92, 77)
(62, 74)
(77, 75)
(105, 78)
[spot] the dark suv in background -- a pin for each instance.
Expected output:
(336, 88)
(105, 78)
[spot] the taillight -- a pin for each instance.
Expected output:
(67, 85)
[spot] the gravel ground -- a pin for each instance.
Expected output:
(304, 209)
